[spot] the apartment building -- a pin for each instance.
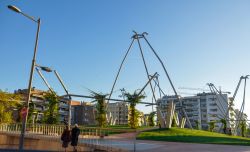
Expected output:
(200, 109)
(190, 104)
(214, 107)
(40, 104)
(118, 113)
(83, 114)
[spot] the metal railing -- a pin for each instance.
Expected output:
(108, 139)
(44, 129)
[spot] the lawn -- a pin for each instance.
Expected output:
(193, 136)
(128, 128)
(110, 130)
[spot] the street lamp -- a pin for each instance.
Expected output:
(47, 69)
(38, 21)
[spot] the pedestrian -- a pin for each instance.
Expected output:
(74, 139)
(66, 137)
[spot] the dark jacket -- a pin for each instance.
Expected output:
(66, 138)
(75, 133)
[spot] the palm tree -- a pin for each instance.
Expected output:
(133, 99)
(101, 104)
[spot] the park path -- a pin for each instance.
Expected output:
(161, 146)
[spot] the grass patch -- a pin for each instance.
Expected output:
(192, 136)
(110, 130)
(128, 128)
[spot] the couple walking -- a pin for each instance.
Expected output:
(72, 136)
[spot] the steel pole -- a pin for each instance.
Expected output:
(24, 122)
(69, 96)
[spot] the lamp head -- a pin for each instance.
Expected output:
(14, 8)
(47, 69)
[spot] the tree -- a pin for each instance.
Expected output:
(151, 119)
(211, 126)
(224, 123)
(248, 132)
(133, 99)
(243, 128)
(8, 103)
(101, 105)
(197, 124)
(51, 114)
(33, 113)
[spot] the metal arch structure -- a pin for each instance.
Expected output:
(119, 100)
(239, 117)
(137, 37)
(214, 90)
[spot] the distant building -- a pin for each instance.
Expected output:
(145, 119)
(83, 114)
(118, 112)
(141, 119)
(200, 109)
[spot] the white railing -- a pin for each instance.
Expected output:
(103, 138)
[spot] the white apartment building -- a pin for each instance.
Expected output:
(118, 112)
(214, 107)
(200, 109)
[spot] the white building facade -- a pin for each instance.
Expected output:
(200, 109)
(118, 112)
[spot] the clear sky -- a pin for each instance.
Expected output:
(85, 41)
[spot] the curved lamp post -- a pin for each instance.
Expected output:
(47, 69)
(24, 122)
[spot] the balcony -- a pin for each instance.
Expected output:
(62, 112)
(63, 105)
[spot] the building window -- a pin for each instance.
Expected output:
(213, 110)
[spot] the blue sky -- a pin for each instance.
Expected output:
(85, 41)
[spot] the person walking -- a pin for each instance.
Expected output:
(74, 138)
(66, 137)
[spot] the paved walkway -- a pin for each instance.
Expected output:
(158, 146)
(126, 141)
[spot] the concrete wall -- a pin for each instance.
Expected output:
(11, 141)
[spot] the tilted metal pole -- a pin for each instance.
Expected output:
(137, 36)
(150, 79)
(119, 70)
(24, 122)
(69, 96)
(119, 100)
(241, 112)
(170, 81)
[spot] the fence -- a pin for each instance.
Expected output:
(108, 139)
